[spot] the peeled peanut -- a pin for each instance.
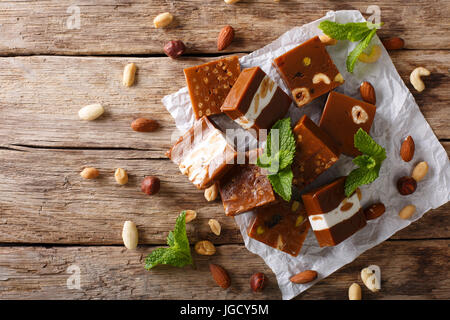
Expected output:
(372, 57)
(89, 173)
(190, 215)
(215, 226)
(129, 73)
(205, 248)
(211, 193)
(354, 292)
(420, 171)
(326, 40)
(407, 211)
(130, 235)
(163, 20)
(415, 78)
(121, 176)
(91, 112)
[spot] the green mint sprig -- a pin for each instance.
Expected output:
(278, 162)
(353, 31)
(369, 163)
(178, 254)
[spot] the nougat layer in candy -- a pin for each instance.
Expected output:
(244, 188)
(255, 101)
(343, 116)
(283, 226)
(203, 154)
(308, 71)
(316, 152)
(210, 83)
(333, 216)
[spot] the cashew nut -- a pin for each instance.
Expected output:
(321, 77)
(415, 79)
(372, 57)
(326, 40)
(371, 277)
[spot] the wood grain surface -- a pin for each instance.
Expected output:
(51, 219)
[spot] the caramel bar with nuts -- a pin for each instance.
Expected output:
(333, 216)
(255, 101)
(244, 188)
(316, 152)
(203, 154)
(308, 71)
(210, 83)
(283, 226)
(343, 116)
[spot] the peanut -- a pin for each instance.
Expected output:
(190, 215)
(130, 235)
(205, 248)
(372, 57)
(121, 176)
(416, 80)
(163, 20)
(231, 1)
(129, 73)
(407, 211)
(420, 171)
(215, 226)
(91, 112)
(354, 292)
(211, 193)
(326, 40)
(89, 173)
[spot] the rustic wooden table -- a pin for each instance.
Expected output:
(51, 220)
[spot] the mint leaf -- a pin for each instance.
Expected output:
(282, 183)
(359, 177)
(178, 254)
(365, 161)
(353, 31)
(353, 56)
(364, 143)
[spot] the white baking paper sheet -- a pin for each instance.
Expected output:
(397, 117)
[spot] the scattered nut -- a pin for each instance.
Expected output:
(371, 277)
(226, 36)
(354, 292)
(220, 275)
(174, 48)
(258, 282)
(416, 80)
(406, 185)
(301, 96)
(129, 73)
(407, 211)
(211, 193)
(121, 176)
(215, 226)
(190, 215)
(420, 171)
(326, 40)
(130, 235)
(374, 211)
(150, 185)
(295, 205)
(372, 57)
(407, 149)
(163, 20)
(231, 1)
(321, 77)
(91, 112)
(144, 125)
(395, 43)
(205, 248)
(359, 115)
(89, 173)
(304, 276)
(339, 78)
(367, 92)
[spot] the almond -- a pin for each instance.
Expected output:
(374, 211)
(144, 125)
(226, 36)
(395, 43)
(220, 275)
(367, 92)
(407, 149)
(304, 277)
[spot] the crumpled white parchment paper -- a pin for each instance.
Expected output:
(397, 117)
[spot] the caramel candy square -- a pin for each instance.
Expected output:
(244, 188)
(316, 152)
(308, 71)
(255, 101)
(333, 216)
(203, 154)
(210, 83)
(343, 116)
(283, 226)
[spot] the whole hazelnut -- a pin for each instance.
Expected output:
(150, 185)
(174, 48)
(258, 282)
(406, 185)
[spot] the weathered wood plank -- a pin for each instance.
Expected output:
(44, 200)
(126, 27)
(115, 273)
(41, 96)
